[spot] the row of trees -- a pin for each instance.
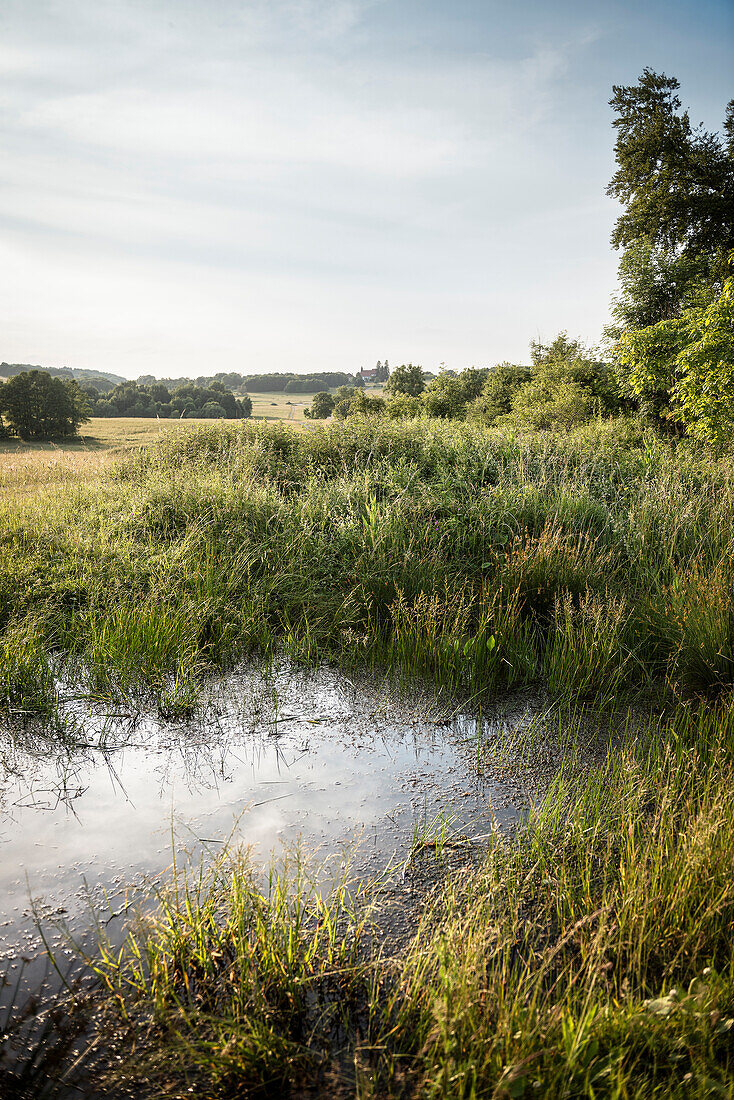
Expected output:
(156, 399)
(36, 405)
(565, 385)
(101, 379)
(41, 404)
(241, 384)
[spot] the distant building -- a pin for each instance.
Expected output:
(380, 373)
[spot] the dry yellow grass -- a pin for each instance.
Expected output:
(280, 406)
(29, 467)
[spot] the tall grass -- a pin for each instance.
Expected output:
(590, 956)
(598, 562)
(27, 684)
(245, 987)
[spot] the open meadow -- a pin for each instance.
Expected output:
(26, 467)
(290, 407)
(587, 951)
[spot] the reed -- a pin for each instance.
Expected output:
(594, 563)
(591, 954)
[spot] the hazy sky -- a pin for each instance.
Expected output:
(189, 186)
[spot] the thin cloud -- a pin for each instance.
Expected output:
(310, 182)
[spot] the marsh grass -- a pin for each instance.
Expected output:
(591, 955)
(435, 835)
(589, 654)
(246, 985)
(602, 566)
(588, 955)
(27, 686)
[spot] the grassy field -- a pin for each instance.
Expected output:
(590, 956)
(280, 406)
(28, 467)
(289, 407)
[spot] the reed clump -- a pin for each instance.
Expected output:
(599, 563)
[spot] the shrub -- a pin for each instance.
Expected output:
(497, 393)
(322, 406)
(682, 370)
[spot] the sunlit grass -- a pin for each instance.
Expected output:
(477, 559)
(590, 955)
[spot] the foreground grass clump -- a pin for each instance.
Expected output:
(590, 956)
(243, 987)
(600, 561)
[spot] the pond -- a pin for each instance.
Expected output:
(277, 755)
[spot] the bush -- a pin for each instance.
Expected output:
(682, 370)
(358, 403)
(567, 387)
(322, 406)
(496, 396)
(402, 407)
(448, 395)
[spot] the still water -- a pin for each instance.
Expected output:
(277, 755)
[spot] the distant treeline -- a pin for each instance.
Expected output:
(261, 383)
(213, 401)
(204, 396)
(101, 380)
(233, 381)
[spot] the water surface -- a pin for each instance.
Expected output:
(278, 755)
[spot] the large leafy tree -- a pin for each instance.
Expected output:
(408, 378)
(39, 406)
(322, 406)
(676, 183)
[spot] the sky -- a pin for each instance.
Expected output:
(189, 186)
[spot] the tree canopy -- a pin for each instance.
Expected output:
(676, 181)
(38, 406)
(676, 184)
(407, 378)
